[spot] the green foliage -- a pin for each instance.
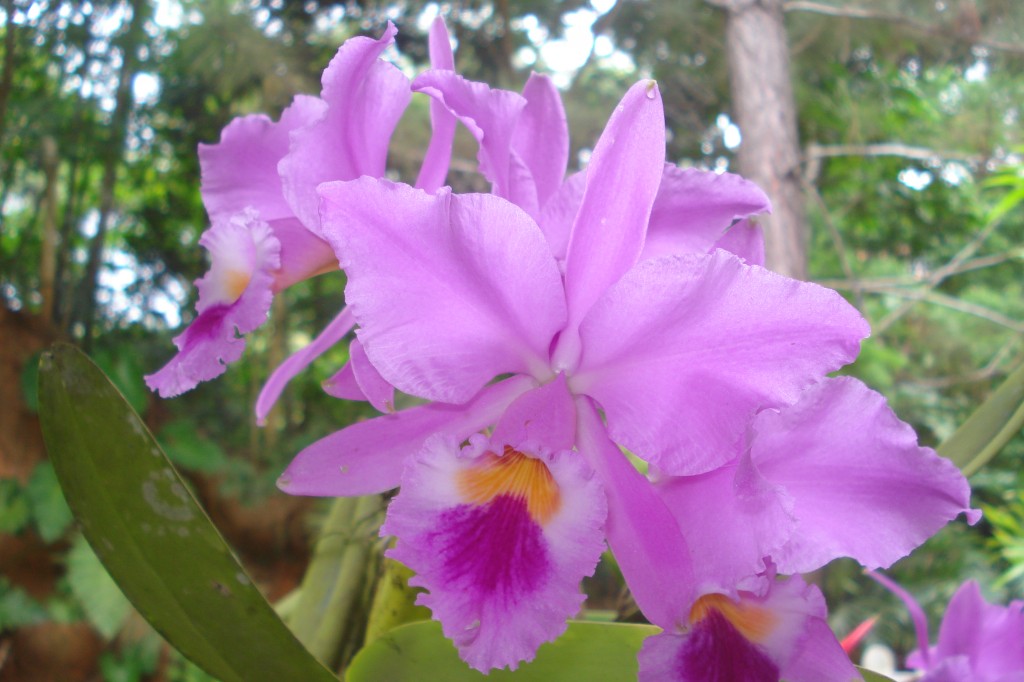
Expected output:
(15, 511)
(587, 651)
(17, 608)
(1008, 538)
(152, 535)
(104, 605)
(51, 513)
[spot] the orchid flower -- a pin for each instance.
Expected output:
(259, 187)
(836, 474)
(461, 301)
(978, 641)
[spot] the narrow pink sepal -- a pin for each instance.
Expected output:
(300, 360)
(541, 138)
(368, 457)
(442, 123)
(608, 232)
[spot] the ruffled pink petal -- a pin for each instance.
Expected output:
(746, 240)
(442, 124)
(450, 290)
(300, 360)
(365, 98)
(368, 457)
(608, 231)
(234, 296)
(861, 486)
(541, 138)
(732, 518)
(684, 350)
(650, 549)
(241, 169)
(501, 562)
(694, 209)
(991, 637)
(489, 114)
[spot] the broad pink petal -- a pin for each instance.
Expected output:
(545, 416)
(450, 290)
(489, 114)
(990, 636)
(241, 169)
(694, 208)
(365, 98)
(541, 137)
(299, 361)
(368, 457)
(439, 153)
(501, 575)
(684, 350)
(732, 518)
(234, 295)
(641, 531)
(746, 240)
(608, 232)
(861, 486)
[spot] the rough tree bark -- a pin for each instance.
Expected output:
(765, 111)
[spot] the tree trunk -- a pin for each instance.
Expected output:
(112, 159)
(765, 111)
(48, 259)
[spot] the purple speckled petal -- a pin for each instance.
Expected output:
(641, 531)
(861, 486)
(501, 562)
(489, 114)
(439, 153)
(365, 98)
(300, 360)
(368, 457)
(608, 232)
(450, 290)
(241, 169)
(684, 350)
(746, 240)
(694, 208)
(235, 294)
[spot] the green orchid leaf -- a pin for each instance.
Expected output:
(992, 425)
(587, 651)
(872, 676)
(153, 537)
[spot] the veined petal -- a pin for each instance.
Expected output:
(450, 290)
(732, 518)
(368, 457)
(241, 169)
(300, 360)
(694, 208)
(641, 531)
(684, 350)
(861, 486)
(489, 114)
(541, 138)
(608, 232)
(781, 635)
(365, 97)
(500, 541)
(235, 294)
(746, 240)
(442, 123)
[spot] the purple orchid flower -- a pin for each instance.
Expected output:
(259, 187)
(454, 292)
(835, 474)
(978, 641)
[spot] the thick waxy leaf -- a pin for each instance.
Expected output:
(871, 676)
(151, 534)
(992, 425)
(586, 652)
